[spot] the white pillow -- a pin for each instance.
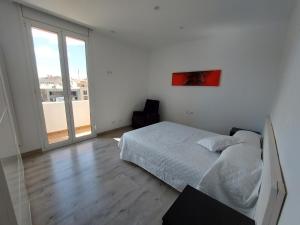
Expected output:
(218, 143)
(249, 137)
(234, 178)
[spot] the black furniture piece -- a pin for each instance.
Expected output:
(192, 207)
(236, 129)
(147, 117)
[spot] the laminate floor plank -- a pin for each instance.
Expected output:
(88, 184)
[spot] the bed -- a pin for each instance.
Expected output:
(170, 152)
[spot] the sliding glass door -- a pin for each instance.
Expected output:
(62, 82)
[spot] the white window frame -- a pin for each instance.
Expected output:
(63, 30)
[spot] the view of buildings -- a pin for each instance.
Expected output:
(52, 89)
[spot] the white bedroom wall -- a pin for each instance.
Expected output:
(286, 122)
(119, 74)
(116, 94)
(249, 57)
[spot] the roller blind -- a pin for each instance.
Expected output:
(39, 16)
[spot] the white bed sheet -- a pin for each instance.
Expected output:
(170, 152)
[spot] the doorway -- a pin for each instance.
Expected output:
(62, 85)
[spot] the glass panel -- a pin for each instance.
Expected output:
(50, 79)
(79, 86)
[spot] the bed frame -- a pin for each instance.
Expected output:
(273, 191)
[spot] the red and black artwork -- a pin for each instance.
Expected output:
(197, 78)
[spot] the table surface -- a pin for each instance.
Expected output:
(193, 207)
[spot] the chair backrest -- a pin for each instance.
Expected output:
(151, 106)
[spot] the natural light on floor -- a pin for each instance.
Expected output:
(63, 135)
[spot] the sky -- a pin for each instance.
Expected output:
(47, 55)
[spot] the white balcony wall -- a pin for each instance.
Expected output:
(81, 113)
(55, 116)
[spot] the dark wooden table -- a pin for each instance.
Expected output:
(193, 207)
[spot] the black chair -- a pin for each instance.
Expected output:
(147, 117)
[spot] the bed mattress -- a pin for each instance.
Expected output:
(170, 152)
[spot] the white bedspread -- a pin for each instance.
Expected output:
(170, 152)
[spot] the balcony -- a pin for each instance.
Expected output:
(56, 122)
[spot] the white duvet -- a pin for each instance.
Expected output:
(170, 152)
(235, 178)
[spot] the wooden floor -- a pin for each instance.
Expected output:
(88, 184)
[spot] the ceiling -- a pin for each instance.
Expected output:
(137, 22)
